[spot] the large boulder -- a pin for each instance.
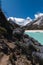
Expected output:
(38, 57)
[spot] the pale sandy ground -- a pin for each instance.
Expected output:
(34, 31)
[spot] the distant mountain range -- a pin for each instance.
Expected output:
(28, 23)
(36, 24)
(20, 21)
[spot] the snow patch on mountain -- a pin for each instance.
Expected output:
(38, 15)
(20, 21)
(39, 19)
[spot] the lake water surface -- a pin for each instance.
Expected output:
(36, 35)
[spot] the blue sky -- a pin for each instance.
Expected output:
(22, 8)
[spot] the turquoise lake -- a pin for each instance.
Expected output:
(36, 35)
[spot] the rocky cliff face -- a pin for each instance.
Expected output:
(16, 48)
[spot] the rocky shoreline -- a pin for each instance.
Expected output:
(14, 52)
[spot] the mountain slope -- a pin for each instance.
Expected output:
(36, 24)
(16, 48)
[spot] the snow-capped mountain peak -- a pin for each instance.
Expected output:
(38, 18)
(23, 22)
(38, 15)
(28, 18)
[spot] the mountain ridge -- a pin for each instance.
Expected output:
(28, 23)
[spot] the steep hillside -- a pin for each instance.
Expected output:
(16, 48)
